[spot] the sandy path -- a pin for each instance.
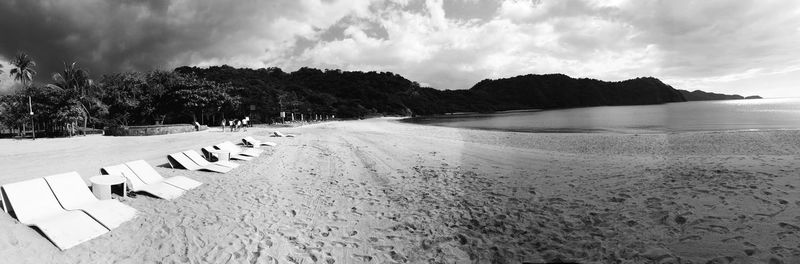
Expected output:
(378, 191)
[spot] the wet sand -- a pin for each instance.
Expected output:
(383, 191)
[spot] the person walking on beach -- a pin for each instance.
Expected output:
(224, 123)
(244, 124)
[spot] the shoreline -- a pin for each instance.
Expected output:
(595, 131)
(381, 190)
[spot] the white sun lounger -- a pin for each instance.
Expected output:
(229, 146)
(73, 194)
(180, 160)
(250, 141)
(279, 134)
(208, 151)
(161, 190)
(151, 176)
(197, 158)
(34, 204)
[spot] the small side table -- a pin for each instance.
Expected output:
(101, 185)
(220, 154)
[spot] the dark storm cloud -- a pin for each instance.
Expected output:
(100, 39)
(107, 36)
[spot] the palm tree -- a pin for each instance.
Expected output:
(23, 71)
(76, 81)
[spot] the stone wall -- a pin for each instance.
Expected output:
(151, 130)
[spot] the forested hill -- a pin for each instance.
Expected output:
(559, 91)
(698, 95)
(355, 94)
(341, 93)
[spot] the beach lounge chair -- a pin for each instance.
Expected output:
(234, 149)
(197, 158)
(279, 134)
(161, 190)
(151, 176)
(34, 204)
(252, 142)
(210, 151)
(73, 194)
(180, 160)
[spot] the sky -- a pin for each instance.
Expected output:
(733, 46)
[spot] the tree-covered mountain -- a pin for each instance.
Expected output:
(698, 95)
(560, 91)
(356, 94)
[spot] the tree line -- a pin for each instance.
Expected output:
(73, 101)
(208, 95)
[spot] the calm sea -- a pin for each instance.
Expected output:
(758, 114)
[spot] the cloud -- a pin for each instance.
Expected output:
(145, 34)
(454, 54)
(6, 82)
(690, 43)
(445, 44)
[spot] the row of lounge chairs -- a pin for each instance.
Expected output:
(191, 160)
(67, 213)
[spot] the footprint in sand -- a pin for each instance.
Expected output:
(722, 260)
(291, 213)
(688, 238)
(718, 229)
(383, 248)
(737, 238)
(362, 258)
(653, 203)
(355, 211)
(293, 259)
(265, 259)
(679, 219)
(397, 257)
(785, 234)
(789, 226)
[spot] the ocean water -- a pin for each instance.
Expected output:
(757, 114)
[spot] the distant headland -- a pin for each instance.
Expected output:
(698, 95)
(359, 94)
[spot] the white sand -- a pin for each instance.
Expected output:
(382, 191)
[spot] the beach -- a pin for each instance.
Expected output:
(384, 191)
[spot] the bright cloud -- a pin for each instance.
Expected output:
(692, 44)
